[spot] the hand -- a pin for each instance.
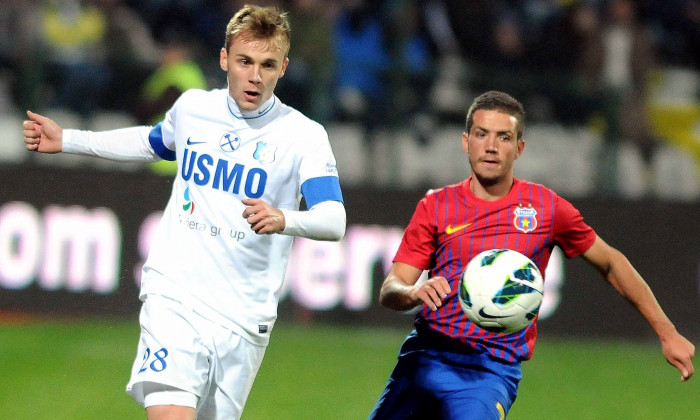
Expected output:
(42, 134)
(432, 292)
(679, 352)
(263, 218)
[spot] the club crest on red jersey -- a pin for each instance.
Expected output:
(525, 219)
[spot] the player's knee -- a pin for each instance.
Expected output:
(164, 402)
(170, 412)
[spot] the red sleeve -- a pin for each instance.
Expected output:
(418, 244)
(570, 232)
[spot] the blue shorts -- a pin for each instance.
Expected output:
(434, 380)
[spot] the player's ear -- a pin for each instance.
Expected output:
(521, 147)
(223, 59)
(465, 142)
(285, 63)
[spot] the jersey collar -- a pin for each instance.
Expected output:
(264, 109)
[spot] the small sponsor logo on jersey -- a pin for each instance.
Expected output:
(450, 229)
(189, 204)
(265, 152)
(525, 219)
(331, 168)
(229, 142)
(192, 143)
(262, 329)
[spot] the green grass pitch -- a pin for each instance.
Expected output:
(78, 370)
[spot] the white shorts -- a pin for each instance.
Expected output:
(181, 351)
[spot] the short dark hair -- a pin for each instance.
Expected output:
(498, 101)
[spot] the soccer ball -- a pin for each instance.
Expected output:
(501, 290)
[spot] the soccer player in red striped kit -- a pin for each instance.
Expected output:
(448, 367)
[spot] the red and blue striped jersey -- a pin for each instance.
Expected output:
(451, 225)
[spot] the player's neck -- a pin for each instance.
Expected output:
(261, 110)
(491, 192)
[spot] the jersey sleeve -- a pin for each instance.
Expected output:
(162, 136)
(417, 246)
(124, 144)
(570, 232)
(318, 174)
(324, 221)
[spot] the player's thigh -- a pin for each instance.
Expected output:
(479, 406)
(404, 396)
(171, 349)
(235, 364)
(485, 391)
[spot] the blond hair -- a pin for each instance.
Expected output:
(260, 23)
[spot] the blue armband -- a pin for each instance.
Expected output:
(325, 188)
(155, 137)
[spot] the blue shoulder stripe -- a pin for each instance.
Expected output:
(324, 188)
(155, 137)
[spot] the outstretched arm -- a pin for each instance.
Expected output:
(42, 134)
(620, 273)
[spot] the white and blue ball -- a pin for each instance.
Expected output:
(501, 290)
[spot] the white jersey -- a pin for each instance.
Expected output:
(204, 253)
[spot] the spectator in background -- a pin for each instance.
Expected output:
(74, 34)
(618, 67)
(21, 74)
(472, 22)
(413, 67)
(690, 32)
(161, 15)
(176, 74)
(678, 23)
(507, 64)
(450, 81)
(567, 42)
(132, 54)
(596, 67)
(362, 63)
(307, 83)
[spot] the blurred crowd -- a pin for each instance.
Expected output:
(390, 63)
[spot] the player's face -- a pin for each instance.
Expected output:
(492, 145)
(253, 68)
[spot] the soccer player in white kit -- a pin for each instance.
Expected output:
(211, 284)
